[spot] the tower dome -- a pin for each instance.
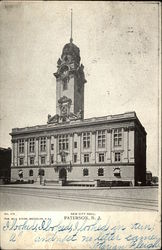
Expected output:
(70, 49)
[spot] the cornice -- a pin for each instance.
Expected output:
(68, 130)
(107, 120)
(78, 127)
(14, 140)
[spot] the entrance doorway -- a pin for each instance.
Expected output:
(62, 174)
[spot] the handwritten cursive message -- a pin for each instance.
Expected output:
(84, 231)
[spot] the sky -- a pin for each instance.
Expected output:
(118, 44)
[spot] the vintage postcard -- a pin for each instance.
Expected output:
(80, 125)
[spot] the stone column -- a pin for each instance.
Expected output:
(36, 151)
(79, 148)
(125, 145)
(93, 155)
(55, 149)
(112, 140)
(109, 145)
(131, 144)
(16, 153)
(26, 152)
(71, 148)
(48, 150)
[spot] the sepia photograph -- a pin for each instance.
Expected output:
(80, 124)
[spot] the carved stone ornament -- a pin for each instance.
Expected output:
(68, 167)
(64, 110)
(64, 99)
(53, 119)
(59, 62)
(66, 115)
(63, 152)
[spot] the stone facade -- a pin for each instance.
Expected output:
(112, 148)
(74, 150)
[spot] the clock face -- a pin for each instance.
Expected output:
(64, 71)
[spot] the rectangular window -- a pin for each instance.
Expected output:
(21, 161)
(85, 172)
(43, 144)
(101, 157)
(63, 158)
(100, 172)
(101, 139)
(86, 157)
(63, 142)
(31, 145)
(118, 137)
(86, 140)
(42, 160)
(75, 144)
(21, 146)
(117, 157)
(75, 158)
(52, 146)
(52, 159)
(31, 160)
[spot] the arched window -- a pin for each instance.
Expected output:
(20, 173)
(85, 172)
(100, 172)
(41, 172)
(30, 172)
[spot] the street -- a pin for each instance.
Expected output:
(27, 197)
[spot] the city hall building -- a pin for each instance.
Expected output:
(71, 150)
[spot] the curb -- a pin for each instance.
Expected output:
(76, 188)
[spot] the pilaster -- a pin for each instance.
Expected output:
(109, 145)
(37, 151)
(112, 140)
(131, 144)
(16, 153)
(26, 152)
(79, 148)
(71, 148)
(126, 143)
(48, 149)
(93, 147)
(55, 149)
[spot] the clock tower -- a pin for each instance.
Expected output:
(70, 81)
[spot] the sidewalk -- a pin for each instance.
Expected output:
(38, 186)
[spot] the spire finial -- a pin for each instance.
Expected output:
(71, 38)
